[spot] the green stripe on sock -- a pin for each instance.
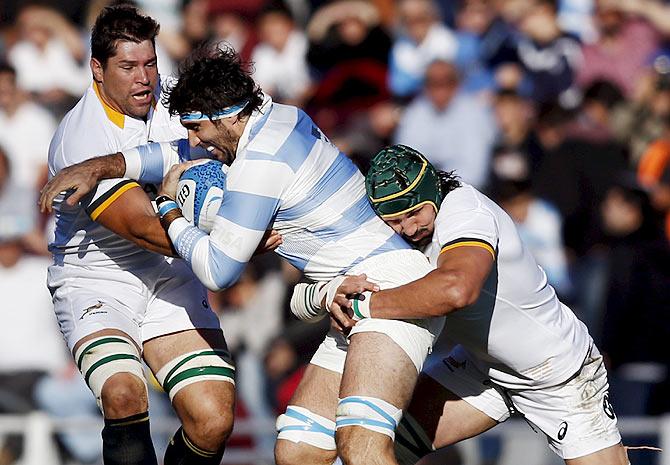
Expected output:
(196, 449)
(200, 371)
(107, 340)
(108, 359)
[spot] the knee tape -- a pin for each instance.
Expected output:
(412, 442)
(102, 357)
(300, 425)
(368, 412)
(194, 367)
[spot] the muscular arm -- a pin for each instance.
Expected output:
(456, 283)
(146, 163)
(132, 217)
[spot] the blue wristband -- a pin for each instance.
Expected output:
(166, 207)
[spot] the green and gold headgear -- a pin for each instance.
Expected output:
(400, 179)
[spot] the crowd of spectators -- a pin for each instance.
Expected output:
(557, 109)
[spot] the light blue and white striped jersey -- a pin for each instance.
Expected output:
(288, 176)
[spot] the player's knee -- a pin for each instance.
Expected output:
(212, 430)
(304, 437)
(209, 422)
(291, 453)
(346, 440)
(359, 446)
(123, 395)
(113, 371)
(365, 428)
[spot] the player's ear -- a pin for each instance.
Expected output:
(96, 69)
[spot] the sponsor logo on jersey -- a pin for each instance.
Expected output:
(562, 430)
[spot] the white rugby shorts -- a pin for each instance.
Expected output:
(144, 303)
(415, 337)
(575, 416)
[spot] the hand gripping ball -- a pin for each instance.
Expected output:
(200, 193)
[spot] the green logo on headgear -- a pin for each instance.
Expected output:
(400, 179)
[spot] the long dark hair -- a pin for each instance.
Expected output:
(211, 79)
(448, 181)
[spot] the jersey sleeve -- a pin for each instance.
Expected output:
(104, 195)
(467, 228)
(150, 163)
(70, 146)
(250, 203)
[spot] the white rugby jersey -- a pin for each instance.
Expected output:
(286, 175)
(518, 330)
(92, 128)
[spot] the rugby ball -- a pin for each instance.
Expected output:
(200, 193)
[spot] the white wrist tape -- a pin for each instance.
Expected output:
(329, 291)
(305, 301)
(133, 163)
(361, 306)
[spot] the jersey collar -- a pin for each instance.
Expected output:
(262, 111)
(116, 117)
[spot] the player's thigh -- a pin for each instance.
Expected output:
(307, 429)
(613, 455)
(377, 367)
(444, 416)
(377, 383)
(89, 301)
(318, 391)
(194, 367)
(110, 363)
(97, 311)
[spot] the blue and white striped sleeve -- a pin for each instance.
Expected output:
(249, 205)
(150, 163)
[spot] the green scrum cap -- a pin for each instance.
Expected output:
(400, 179)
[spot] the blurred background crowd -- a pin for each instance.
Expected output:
(558, 110)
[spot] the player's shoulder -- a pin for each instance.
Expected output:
(463, 198)
(83, 132)
(465, 205)
(465, 214)
(274, 131)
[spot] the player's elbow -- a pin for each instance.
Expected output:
(460, 296)
(220, 281)
(458, 293)
(212, 286)
(218, 284)
(215, 268)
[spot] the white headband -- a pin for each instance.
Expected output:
(228, 112)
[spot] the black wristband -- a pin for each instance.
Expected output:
(162, 199)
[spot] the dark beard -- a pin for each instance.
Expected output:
(420, 244)
(228, 156)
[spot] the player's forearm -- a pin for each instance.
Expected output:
(105, 167)
(436, 294)
(211, 265)
(150, 235)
